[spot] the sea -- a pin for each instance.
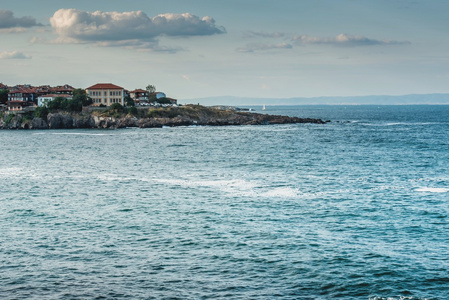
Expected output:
(357, 208)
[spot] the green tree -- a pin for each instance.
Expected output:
(74, 105)
(132, 110)
(163, 100)
(129, 101)
(151, 89)
(61, 103)
(152, 98)
(79, 92)
(3, 96)
(55, 104)
(117, 107)
(80, 95)
(41, 112)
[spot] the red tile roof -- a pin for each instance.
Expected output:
(23, 90)
(62, 88)
(57, 95)
(139, 91)
(105, 86)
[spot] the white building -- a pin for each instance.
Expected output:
(43, 100)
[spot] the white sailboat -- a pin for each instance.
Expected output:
(263, 107)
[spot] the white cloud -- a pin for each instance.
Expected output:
(13, 30)
(345, 40)
(262, 34)
(264, 47)
(140, 45)
(131, 29)
(8, 21)
(13, 55)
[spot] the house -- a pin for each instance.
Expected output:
(159, 95)
(43, 100)
(20, 97)
(139, 96)
(24, 93)
(62, 89)
(106, 94)
(17, 105)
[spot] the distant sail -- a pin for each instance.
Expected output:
(263, 107)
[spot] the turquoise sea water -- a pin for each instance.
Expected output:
(353, 209)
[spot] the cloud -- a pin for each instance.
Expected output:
(264, 47)
(345, 40)
(13, 55)
(8, 21)
(152, 45)
(13, 30)
(132, 29)
(254, 34)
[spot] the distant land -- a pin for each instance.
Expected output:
(413, 99)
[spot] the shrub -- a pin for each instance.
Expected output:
(163, 101)
(170, 112)
(9, 119)
(41, 112)
(129, 101)
(132, 110)
(65, 104)
(117, 107)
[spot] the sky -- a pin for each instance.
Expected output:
(244, 48)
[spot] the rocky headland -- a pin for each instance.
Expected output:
(146, 118)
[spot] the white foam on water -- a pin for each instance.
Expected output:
(109, 177)
(9, 172)
(432, 190)
(282, 192)
(237, 186)
(81, 133)
(412, 123)
(16, 173)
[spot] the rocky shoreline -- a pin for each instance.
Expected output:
(148, 118)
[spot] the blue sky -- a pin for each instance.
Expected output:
(245, 48)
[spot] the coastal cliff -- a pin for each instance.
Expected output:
(147, 118)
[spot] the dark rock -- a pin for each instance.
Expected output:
(14, 123)
(38, 123)
(60, 121)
